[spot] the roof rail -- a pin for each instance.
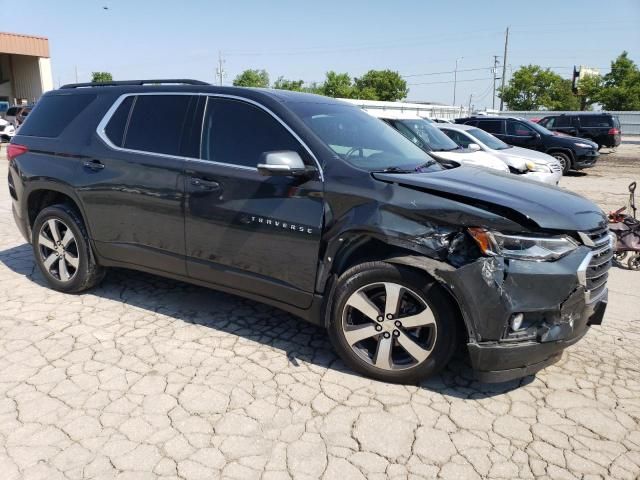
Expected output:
(179, 81)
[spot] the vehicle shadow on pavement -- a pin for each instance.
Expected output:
(299, 340)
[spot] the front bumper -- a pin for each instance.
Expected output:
(585, 159)
(552, 297)
(501, 362)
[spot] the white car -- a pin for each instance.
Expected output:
(7, 131)
(531, 164)
(427, 136)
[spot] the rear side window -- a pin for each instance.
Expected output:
(491, 126)
(118, 123)
(596, 121)
(157, 123)
(54, 113)
(237, 133)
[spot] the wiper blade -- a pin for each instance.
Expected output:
(394, 170)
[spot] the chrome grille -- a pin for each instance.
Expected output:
(596, 270)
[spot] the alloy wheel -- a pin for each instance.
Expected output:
(562, 160)
(389, 326)
(58, 250)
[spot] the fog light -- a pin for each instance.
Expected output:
(516, 321)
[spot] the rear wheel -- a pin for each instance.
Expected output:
(62, 251)
(391, 323)
(565, 161)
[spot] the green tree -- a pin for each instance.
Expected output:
(252, 78)
(385, 85)
(589, 90)
(621, 86)
(97, 77)
(337, 85)
(283, 84)
(532, 88)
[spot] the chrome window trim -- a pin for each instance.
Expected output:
(101, 129)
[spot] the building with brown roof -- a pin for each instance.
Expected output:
(25, 67)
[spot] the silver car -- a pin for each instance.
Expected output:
(530, 163)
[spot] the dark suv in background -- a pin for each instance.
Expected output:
(602, 128)
(573, 153)
(313, 206)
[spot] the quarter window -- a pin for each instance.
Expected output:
(54, 114)
(118, 123)
(237, 133)
(158, 122)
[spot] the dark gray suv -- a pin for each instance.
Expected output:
(313, 206)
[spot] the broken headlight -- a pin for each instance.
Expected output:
(538, 167)
(522, 247)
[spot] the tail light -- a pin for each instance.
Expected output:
(614, 131)
(14, 150)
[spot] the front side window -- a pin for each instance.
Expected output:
(518, 129)
(359, 138)
(458, 137)
(491, 126)
(430, 135)
(488, 139)
(158, 122)
(237, 133)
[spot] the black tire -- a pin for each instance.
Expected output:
(564, 159)
(444, 312)
(88, 273)
(634, 262)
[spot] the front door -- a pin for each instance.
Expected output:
(253, 233)
(522, 135)
(132, 186)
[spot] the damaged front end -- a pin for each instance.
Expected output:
(521, 313)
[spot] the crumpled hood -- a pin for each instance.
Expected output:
(547, 206)
(527, 154)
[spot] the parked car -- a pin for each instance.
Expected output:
(7, 131)
(532, 164)
(441, 120)
(602, 128)
(427, 136)
(311, 205)
(16, 115)
(572, 152)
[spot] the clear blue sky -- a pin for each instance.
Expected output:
(302, 39)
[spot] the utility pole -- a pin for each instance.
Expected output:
(504, 67)
(469, 109)
(76, 74)
(220, 70)
(455, 79)
(495, 77)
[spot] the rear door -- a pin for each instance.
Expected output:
(132, 186)
(257, 234)
(495, 127)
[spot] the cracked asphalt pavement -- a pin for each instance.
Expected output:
(150, 378)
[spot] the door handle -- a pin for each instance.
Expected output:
(94, 165)
(205, 184)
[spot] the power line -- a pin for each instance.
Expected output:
(451, 81)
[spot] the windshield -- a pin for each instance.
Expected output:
(428, 133)
(360, 139)
(489, 140)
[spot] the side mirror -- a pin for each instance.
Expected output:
(285, 163)
(474, 146)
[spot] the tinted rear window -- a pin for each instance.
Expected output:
(596, 121)
(491, 126)
(54, 113)
(157, 123)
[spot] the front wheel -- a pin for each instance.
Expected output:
(634, 262)
(391, 323)
(565, 161)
